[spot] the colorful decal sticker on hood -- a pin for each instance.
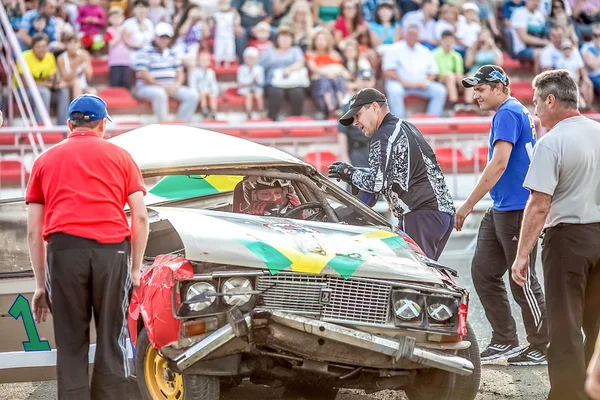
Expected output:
(356, 250)
(177, 187)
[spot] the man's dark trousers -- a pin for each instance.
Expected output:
(85, 277)
(496, 251)
(430, 229)
(571, 260)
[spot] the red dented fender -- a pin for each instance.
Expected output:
(153, 298)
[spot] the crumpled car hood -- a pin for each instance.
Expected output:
(279, 244)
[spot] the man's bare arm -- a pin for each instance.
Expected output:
(139, 229)
(35, 240)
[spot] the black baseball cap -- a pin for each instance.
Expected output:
(487, 74)
(360, 99)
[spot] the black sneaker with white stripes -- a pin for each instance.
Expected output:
(529, 356)
(496, 350)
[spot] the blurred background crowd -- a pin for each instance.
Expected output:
(290, 50)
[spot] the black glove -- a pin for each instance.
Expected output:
(341, 170)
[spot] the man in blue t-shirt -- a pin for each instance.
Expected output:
(512, 138)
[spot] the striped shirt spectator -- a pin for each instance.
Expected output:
(162, 66)
(161, 76)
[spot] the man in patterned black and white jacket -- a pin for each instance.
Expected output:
(402, 167)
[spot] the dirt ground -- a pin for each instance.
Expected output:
(499, 382)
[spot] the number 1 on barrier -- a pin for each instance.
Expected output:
(21, 308)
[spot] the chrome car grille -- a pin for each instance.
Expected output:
(330, 298)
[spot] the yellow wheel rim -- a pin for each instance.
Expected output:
(162, 383)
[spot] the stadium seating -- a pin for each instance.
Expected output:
(10, 172)
(304, 131)
(444, 156)
(320, 159)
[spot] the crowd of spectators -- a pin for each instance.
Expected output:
(286, 50)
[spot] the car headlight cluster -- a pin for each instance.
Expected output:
(413, 306)
(202, 295)
(237, 291)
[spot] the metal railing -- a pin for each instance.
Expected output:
(18, 93)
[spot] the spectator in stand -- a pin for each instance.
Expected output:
(546, 7)
(350, 22)
(591, 56)
(14, 11)
(157, 12)
(450, 66)
(139, 27)
(587, 11)
(92, 24)
(285, 74)
(160, 77)
(361, 74)
(528, 32)
(469, 26)
(75, 67)
(410, 69)
(559, 17)
(571, 61)
(42, 65)
(328, 75)
(447, 21)
(227, 22)
(251, 13)
(483, 52)
(508, 7)
(325, 12)
(203, 80)
(487, 15)
(177, 7)
(47, 9)
(281, 8)
(262, 32)
(251, 80)
(119, 50)
(190, 32)
(424, 19)
(300, 21)
(385, 28)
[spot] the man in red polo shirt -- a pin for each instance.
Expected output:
(76, 196)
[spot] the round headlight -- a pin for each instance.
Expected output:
(201, 295)
(407, 309)
(235, 291)
(439, 312)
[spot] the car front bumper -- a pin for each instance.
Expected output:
(398, 351)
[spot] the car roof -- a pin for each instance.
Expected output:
(157, 148)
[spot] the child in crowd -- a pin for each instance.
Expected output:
(191, 31)
(262, 33)
(75, 67)
(119, 52)
(572, 62)
(451, 67)
(226, 19)
(251, 79)
(469, 27)
(14, 11)
(158, 12)
(92, 23)
(204, 80)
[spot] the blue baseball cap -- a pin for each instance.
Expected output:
(91, 106)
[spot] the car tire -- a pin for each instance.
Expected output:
(156, 382)
(305, 392)
(443, 385)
